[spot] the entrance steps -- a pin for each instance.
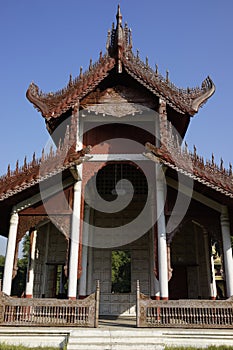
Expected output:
(114, 337)
(111, 339)
(145, 339)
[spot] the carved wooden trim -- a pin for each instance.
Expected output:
(118, 102)
(183, 313)
(49, 312)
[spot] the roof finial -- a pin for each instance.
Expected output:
(221, 164)
(108, 40)
(9, 170)
(90, 65)
(119, 15)
(17, 167)
(81, 72)
(70, 81)
(130, 39)
(230, 169)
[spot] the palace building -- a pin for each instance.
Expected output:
(119, 197)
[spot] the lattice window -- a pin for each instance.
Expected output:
(108, 177)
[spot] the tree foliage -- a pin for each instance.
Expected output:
(121, 271)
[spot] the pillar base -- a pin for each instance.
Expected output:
(72, 298)
(28, 296)
(164, 298)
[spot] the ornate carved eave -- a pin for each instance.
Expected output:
(191, 165)
(208, 90)
(184, 101)
(117, 102)
(52, 105)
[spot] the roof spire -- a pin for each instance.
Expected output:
(119, 16)
(119, 41)
(119, 38)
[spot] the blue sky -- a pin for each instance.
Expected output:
(44, 41)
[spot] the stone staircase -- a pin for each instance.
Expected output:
(145, 339)
(115, 336)
(111, 339)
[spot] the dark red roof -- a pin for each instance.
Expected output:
(190, 164)
(119, 56)
(39, 170)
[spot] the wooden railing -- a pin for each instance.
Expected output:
(50, 312)
(183, 313)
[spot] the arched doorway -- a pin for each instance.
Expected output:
(190, 261)
(120, 263)
(50, 259)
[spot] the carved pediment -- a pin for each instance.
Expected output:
(118, 102)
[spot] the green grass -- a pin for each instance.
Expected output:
(21, 347)
(212, 347)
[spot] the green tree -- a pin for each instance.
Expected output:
(121, 271)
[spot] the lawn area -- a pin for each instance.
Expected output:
(212, 347)
(21, 347)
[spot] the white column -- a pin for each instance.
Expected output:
(162, 238)
(74, 242)
(10, 253)
(83, 278)
(30, 282)
(213, 283)
(227, 251)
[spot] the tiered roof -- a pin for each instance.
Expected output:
(179, 158)
(119, 57)
(39, 170)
